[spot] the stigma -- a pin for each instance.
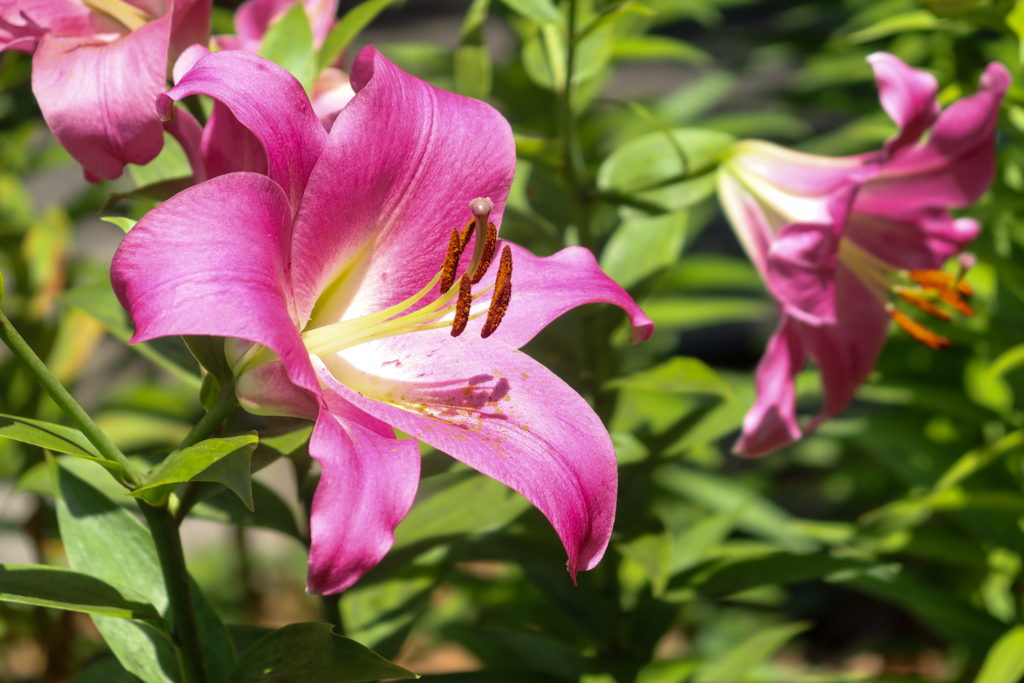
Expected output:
(454, 304)
(936, 293)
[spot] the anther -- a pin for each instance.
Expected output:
(462, 305)
(923, 305)
(940, 280)
(451, 261)
(952, 298)
(917, 330)
(490, 242)
(502, 294)
(481, 208)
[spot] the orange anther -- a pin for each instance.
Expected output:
(918, 331)
(451, 260)
(462, 305)
(502, 294)
(488, 254)
(922, 304)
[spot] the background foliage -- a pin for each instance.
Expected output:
(887, 547)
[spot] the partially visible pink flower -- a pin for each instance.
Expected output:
(253, 19)
(341, 278)
(97, 68)
(840, 240)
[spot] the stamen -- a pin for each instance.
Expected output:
(481, 208)
(502, 294)
(953, 298)
(917, 330)
(485, 261)
(462, 308)
(456, 245)
(921, 304)
(129, 16)
(941, 280)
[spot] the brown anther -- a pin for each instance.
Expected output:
(952, 298)
(940, 280)
(462, 305)
(488, 255)
(451, 261)
(918, 331)
(467, 232)
(502, 294)
(922, 304)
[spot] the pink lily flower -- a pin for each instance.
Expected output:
(349, 296)
(98, 65)
(839, 240)
(253, 19)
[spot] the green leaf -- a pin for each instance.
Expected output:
(658, 49)
(354, 21)
(125, 224)
(691, 312)
(678, 375)
(733, 665)
(1005, 661)
(1015, 22)
(48, 435)
(473, 504)
(105, 541)
(159, 191)
(99, 301)
(312, 653)
(287, 443)
(46, 586)
(269, 511)
(289, 43)
(540, 11)
(649, 161)
(170, 163)
(221, 460)
(473, 71)
(642, 245)
(917, 20)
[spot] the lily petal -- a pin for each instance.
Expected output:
(97, 97)
(954, 167)
(500, 412)
(771, 422)
(225, 275)
(544, 288)
(921, 240)
(190, 25)
(403, 162)
(908, 97)
(285, 124)
(801, 271)
(367, 485)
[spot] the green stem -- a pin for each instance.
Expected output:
(572, 160)
(184, 625)
(24, 353)
(222, 407)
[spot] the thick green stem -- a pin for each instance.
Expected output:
(184, 626)
(24, 353)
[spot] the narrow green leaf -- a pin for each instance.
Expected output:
(473, 71)
(312, 653)
(692, 312)
(733, 665)
(289, 43)
(1015, 22)
(645, 163)
(354, 21)
(1009, 360)
(473, 504)
(221, 460)
(540, 11)
(125, 224)
(46, 586)
(1005, 661)
(287, 443)
(642, 245)
(48, 435)
(678, 375)
(658, 49)
(917, 20)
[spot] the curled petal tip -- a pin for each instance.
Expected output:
(641, 332)
(164, 107)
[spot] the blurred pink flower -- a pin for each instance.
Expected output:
(97, 68)
(339, 279)
(837, 240)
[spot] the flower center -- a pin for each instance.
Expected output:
(129, 15)
(453, 308)
(930, 291)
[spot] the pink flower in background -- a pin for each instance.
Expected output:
(97, 68)
(840, 240)
(343, 284)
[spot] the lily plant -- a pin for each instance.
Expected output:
(844, 243)
(359, 281)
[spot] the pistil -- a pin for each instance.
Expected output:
(128, 15)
